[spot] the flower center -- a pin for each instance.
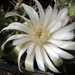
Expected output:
(40, 35)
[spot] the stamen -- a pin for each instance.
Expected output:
(39, 35)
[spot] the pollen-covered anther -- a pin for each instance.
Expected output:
(40, 35)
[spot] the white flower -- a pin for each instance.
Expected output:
(45, 35)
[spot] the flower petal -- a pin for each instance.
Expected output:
(20, 41)
(47, 62)
(47, 16)
(65, 29)
(50, 51)
(56, 27)
(17, 36)
(18, 48)
(29, 62)
(21, 25)
(30, 11)
(39, 58)
(57, 62)
(65, 21)
(68, 45)
(24, 48)
(17, 26)
(11, 14)
(61, 53)
(13, 27)
(63, 36)
(54, 14)
(41, 12)
(62, 14)
(52, 24)
(53, 55)
(15, 14)
(30, 49)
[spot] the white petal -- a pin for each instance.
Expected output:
(69, 45)
(56, 27)
(48, 63)
(48, 15)
(13, 28)
(41, 11)
(30, 49)
(11, 14)
(32, 14)
(52, 24)
(57, 62)
(21, 53)
(54, 14)
(21, 25)
(63, 36)
(50, 51)
(17, 36)
(29, 62)
(65, 29)
(65, 21)
(20, 41)
(17, 26)
(53, 55)
(29, 23)
(39, 58)
(62, 53)
(18, 48)
(15, 14)
(62, 14)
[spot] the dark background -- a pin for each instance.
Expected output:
(7, 4)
